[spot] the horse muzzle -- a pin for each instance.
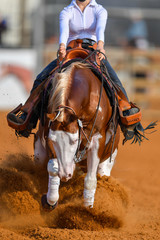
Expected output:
(65, 178)
(66, 173)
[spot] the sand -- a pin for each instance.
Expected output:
(127, 204)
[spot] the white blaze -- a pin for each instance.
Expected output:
(65, 145)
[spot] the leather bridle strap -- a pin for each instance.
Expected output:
(68, 108)
(80, 126)
(79, 122)
(52, 118)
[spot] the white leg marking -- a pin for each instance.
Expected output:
(89, 197)
(54, 182)
(65, 145)
(90, 182)
(105, 167)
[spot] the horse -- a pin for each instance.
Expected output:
(78, 128)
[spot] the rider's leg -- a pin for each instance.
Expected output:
(114, 76)
(116, 80)
(20, 118)
(128, 131)
(44, 74)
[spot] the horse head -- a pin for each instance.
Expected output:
(65, 100)
(63, 140)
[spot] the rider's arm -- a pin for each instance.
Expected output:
(64, 31)
(101, 16)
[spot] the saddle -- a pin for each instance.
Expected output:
(75, 52)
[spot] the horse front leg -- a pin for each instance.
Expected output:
(53, 182)
(50, 200)
(105, 168)
(90, 181)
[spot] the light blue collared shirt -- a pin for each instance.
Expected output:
(75, 24)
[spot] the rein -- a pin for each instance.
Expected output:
(79, 122)
(83, 152)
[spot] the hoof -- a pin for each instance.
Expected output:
(47, 207)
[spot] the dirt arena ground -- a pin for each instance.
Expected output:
(127, 205)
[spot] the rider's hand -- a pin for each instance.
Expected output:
(100, 47)
(62, 50)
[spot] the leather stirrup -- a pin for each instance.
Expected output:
(131, 119)
(18, 126)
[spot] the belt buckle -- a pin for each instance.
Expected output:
(88, 41)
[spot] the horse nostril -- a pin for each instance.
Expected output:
(69, 175)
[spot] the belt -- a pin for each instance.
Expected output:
(84, 43)
(88, 41)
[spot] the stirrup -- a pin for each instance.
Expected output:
(131, 119)
(18, 126)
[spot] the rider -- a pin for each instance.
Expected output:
(82, 19)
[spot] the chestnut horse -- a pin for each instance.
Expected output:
(78, 128)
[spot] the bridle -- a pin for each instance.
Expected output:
(79, 154)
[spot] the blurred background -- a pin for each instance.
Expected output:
(29, 33)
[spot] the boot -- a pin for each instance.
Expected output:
(136, 130)
(130, 117)
(24, 118)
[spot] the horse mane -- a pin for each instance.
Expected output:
(61, 84)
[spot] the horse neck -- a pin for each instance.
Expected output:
(58, 94)
(77, 88)
(87, 96)
(78, 93)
